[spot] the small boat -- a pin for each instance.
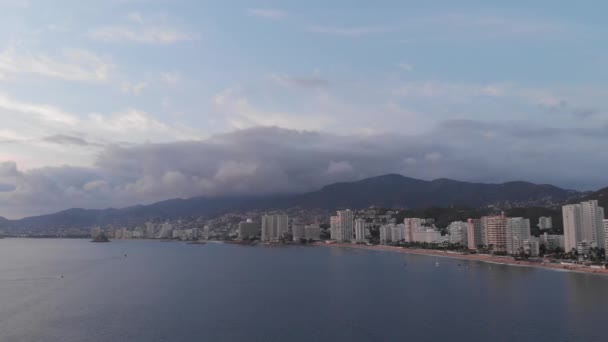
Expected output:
(436, 263)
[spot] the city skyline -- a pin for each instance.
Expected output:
(127, 102)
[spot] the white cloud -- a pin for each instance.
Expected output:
(44, 112)
(36, 132)
(142, 34)
(171, 78)
(133, 88)
(268, 13)
(73, 65)
(241, 114)
(136, 126)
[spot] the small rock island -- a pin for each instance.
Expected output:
(101, 238)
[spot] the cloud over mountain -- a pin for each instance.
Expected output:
(265, 160)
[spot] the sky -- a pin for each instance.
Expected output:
(122, 102)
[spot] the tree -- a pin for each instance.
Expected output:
(542, 250)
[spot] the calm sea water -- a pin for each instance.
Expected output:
(177, 292)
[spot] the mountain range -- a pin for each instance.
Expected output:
(389, 191)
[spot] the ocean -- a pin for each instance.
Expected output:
(74, 290)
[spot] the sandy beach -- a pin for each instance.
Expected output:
(477, 257)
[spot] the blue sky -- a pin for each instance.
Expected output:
(473, 90)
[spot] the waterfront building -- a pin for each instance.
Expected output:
(177, 234)
(474, 234)
(248, 230)
(583, 223)
(572, 226)
(518, 231)
(605, 222)
(206, 232)
(552, 242)
(458, 233)
(346, 232)
(592, 217)
(496, 230)
(127, 234)
(334, 227)
(428, 235)
(297, 230)
(166, 231)
(386, 234)
(312, 232)
(118, 234)
(189, 234)
(412, 225)
(399, 233)
(150, 230)
(274, 227)
(360, 230)
(531, 246)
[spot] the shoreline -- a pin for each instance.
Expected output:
(474, 257)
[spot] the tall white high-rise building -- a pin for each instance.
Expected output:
(360, 230)
(592, 217)
(346, 221)
(518, 231)
(458, 233)
(572, 226)
(274, 227)
(583, 224)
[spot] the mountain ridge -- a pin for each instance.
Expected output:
(390, 190)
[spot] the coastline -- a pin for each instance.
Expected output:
(474, 257)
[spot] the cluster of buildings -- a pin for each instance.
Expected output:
(501, 234)
(275, 228)
(584, 227)
(411, 230)
(154, 231)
